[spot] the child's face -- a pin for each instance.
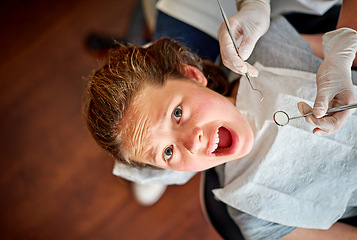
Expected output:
(178, 125)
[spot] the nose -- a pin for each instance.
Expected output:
(193, 139)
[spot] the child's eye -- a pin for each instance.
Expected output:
(177, 113)
(168, 152)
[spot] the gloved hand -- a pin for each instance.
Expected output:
(334, 83)
(250, 22)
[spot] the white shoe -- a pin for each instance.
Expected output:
(148, 194)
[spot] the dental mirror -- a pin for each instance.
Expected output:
(281, 118)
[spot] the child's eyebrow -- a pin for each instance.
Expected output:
(167, 110)
(153, 155)
(163, 117)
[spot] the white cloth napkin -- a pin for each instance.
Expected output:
(151, 175)
(291, 176)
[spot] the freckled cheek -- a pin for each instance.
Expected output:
(182, 164)
(209, 102)
(197, 164)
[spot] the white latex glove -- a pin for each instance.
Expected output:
(334, 83)
(250, 22)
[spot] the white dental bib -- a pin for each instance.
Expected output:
(292, 176)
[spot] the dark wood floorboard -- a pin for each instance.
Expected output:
(55, 183)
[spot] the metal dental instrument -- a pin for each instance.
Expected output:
(281, 118)
(236, 47)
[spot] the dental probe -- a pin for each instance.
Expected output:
(236, 47)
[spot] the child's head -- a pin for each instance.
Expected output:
(151, 106)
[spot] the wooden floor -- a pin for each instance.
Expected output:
(55, 183)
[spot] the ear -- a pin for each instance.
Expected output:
(195, 74)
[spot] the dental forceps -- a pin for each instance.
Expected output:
(236, 47)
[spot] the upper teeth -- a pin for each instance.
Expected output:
(216, 141)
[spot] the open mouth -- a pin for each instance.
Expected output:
(223, 140)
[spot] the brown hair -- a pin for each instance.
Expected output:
(125, 71)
